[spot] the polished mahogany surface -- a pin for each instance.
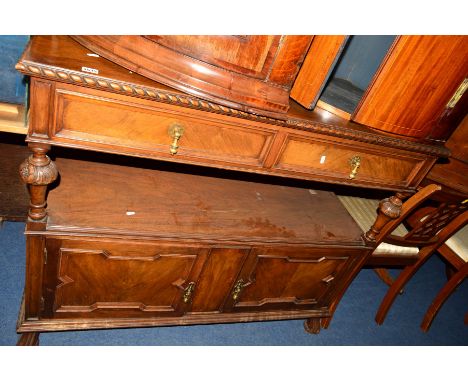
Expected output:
(104, 111)
(59, 58)
(251, 73)
(172, 204)
(128, 246)
(452, 173)
(318, 64)
(137, 246)
(410, 91)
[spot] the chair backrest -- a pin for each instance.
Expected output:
(430, 225)
(428, 222)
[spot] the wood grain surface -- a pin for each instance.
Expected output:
(229, 75)
(318, 64)
(90, 197)
(413, 85)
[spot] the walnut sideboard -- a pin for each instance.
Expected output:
(123, 246)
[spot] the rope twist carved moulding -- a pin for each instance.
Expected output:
(183, 100)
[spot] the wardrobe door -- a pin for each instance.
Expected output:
(317, 68)
(420, 80)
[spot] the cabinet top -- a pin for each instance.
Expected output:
(148, 202)
(60, 58)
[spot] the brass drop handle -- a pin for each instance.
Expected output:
(188, 291)
(175, 131)
(355, 163)
(237, 289)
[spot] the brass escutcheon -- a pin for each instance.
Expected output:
(175, 131)
(355, 163)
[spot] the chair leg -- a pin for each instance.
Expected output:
(28, 339)
(441, 297)
(312, 325)
(384, 275)
(449, 271)
(397, 286)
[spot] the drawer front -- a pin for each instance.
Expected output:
(334, 162)
(144, 127)
(92, 279)
(289, 279)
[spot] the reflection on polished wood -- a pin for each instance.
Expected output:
(411, 89)
(251, 73)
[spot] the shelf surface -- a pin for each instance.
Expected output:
(95, 197)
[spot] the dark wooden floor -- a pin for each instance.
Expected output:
(14, 198)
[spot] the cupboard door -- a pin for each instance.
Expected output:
(218, 275)
(292, 279)
(412, 88)
(317, 67)
(98, 278)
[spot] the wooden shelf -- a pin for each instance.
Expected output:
(104, 198)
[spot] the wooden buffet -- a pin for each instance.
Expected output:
(124, 246)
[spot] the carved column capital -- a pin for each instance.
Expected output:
(38, 171)
(391, 206)
(389, 209)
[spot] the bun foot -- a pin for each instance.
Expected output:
(28, 339)
(312, 325)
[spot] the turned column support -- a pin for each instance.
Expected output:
(389, 209)
(38, 171)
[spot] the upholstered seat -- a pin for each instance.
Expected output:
(458, 243)
(364, 212)
(436, 226)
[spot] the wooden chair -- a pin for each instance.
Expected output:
(455, 251)
(385, 255)
(432, 228)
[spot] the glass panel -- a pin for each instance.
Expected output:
(352, 74)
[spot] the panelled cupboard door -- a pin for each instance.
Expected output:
(93, 279)
(287, 279)
(414, 87)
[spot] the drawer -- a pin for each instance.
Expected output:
(120, 123)
(290, 278)
(119, 278)
(333, 161)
